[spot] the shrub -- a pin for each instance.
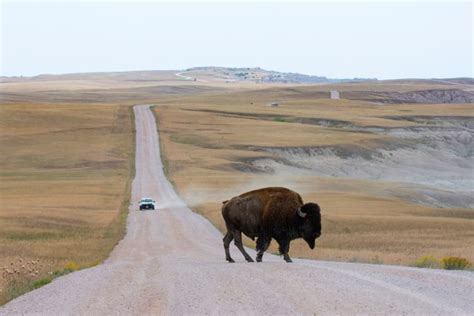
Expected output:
(427, 262)
(71, 266)
(455, 263)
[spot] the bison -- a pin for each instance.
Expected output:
(267, 213)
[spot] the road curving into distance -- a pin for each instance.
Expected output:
(181, 75)
(172, 261)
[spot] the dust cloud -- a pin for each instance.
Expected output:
(284, 178)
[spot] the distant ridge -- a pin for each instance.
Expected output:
(258, 74)
(236, 74)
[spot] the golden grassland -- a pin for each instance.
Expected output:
(65, 181)
(66, 163)
(208, 139)
(67, 159)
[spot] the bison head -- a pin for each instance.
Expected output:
(309, 223)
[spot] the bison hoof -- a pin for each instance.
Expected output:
(249, 259)
(230, 260)
(288, 260)
(259, 259)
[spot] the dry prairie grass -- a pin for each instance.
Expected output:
(207, 141)
(65, 171)
(65, 166)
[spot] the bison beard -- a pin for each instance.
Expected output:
(277, 213)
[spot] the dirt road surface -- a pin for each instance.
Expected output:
(172, 262)
(181, 75)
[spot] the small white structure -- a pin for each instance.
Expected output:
(274, 104)
(334, 95)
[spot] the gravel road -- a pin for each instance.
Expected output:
(172, 262)
(181, 75)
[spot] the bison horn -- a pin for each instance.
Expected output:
(300, 213)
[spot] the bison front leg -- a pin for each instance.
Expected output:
(262, 245)
(284, 249)
(238, 243)
(227, 240)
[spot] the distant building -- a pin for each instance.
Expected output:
(334, 94)
(274, 104)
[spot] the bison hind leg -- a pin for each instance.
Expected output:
(227, 240)
(262, 245)
(238, 243)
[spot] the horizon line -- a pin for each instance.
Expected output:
(233, 67)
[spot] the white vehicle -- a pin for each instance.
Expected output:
(147, 204)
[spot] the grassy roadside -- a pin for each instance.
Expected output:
(118, 227)
(64, 189)
(164, 160)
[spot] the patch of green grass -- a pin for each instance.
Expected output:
(45, 235)
(280, 119)
(42, 282)
(68, 268)
(17, 288)
(186, 139)
(19, 236)
(195, 140)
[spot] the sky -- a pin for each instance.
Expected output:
(333, 39)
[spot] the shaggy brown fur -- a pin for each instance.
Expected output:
(270, 213)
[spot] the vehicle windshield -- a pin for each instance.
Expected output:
(147, 200)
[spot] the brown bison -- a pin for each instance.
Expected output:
(277, 213)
